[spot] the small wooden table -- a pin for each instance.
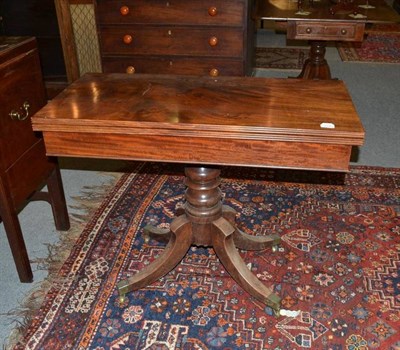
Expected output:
(323, 21)
(205, 122)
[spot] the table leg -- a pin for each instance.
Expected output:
(180, 241)
(207, 222)
(316, 66)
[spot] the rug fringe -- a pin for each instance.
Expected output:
(80, 212)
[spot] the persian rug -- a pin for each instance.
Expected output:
(280, 58)
(338, 266)
(381, 45)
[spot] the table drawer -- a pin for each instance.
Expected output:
(21, 92)
(173, 65)
(194, 12)
(310, 30)
(164, 40)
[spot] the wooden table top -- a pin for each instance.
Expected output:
(251, 107)
(160, 112)
(283, 10)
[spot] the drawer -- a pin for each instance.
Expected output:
(314, 30)
(22, 92)
(173, 65)
(164, 40)
(194, 12)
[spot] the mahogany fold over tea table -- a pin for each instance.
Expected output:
(205, 122)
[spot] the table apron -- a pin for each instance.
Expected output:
(197, 150)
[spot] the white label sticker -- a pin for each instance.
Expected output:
(289, 313)
(327, 125)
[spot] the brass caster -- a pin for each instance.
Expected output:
(275, 248)
(146, 238)
(122, 299)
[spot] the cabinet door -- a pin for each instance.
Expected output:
(21, 86)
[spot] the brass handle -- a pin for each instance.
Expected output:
(130, 69)
(213, 72)
(213, 41)
(308, 30)
(124, 10)
(343, 31)
(128, 39)
(212, 11)
(15, 115)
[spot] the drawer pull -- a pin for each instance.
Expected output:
(130, 69)
(124, 10)
(213, 72)
(15, 115)
(212, 11)
(213, 41)
(128, 39)
(344, 31)
(308, 30)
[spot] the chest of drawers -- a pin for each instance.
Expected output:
(24, 167)
(197, 37)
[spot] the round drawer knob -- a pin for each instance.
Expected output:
(214, 72)
(213, 41)
(308, 30)
(343, 31)
(124, 10)
(212, 11)
(130, 69)
(128, 39)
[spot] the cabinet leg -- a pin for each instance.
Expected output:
(14, 235)
(57, 200)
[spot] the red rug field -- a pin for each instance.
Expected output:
(338, 265)
(381, 45)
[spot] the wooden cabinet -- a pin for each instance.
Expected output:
(199, 37)
(24, 167)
